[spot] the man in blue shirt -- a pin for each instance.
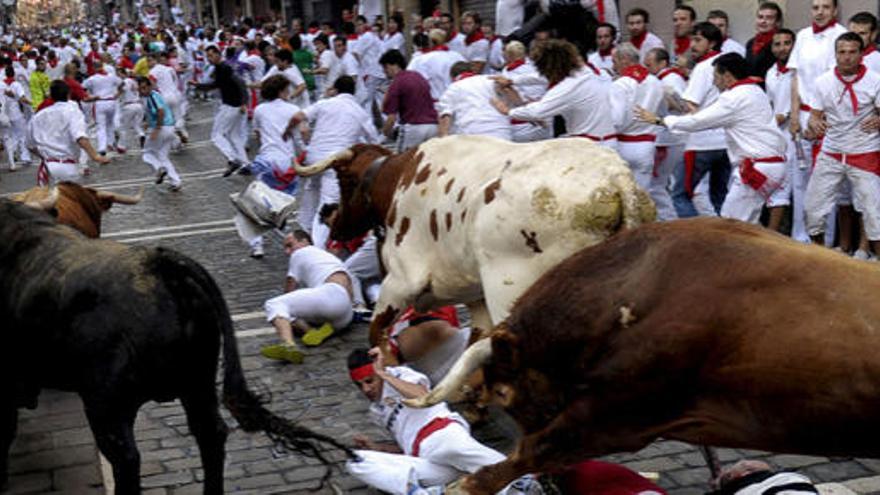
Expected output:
(160, 122)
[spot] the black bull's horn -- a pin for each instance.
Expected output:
(317, 168)
(472, 359)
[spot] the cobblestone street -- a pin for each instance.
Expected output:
(55, 451)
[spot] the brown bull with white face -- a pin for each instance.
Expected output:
(706, 331)
(76, 206)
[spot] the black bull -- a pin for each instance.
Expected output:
(121, 326)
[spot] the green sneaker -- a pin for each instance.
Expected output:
(317, 336)
(283, 352)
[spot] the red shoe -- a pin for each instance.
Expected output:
(120, 150)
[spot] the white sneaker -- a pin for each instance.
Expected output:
(257, 252)
(13, 168)
(861, 254)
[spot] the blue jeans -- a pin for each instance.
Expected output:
(717, 164)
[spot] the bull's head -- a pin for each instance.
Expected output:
(365, 192)
(76, 206)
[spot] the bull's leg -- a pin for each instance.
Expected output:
(575, 435)
(208, 427)
(8, 428)
(481, 322)
(113, 428)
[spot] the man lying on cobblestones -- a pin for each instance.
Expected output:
(318, 292)
(748, 477)
(432, 445)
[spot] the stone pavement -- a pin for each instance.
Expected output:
(55, 451)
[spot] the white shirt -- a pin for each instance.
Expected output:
(468, 102)
(166, 80)
(747, 120)
(651, 41)
(610, 7)
(580, 99)
(843, 134)
(509, 16)
(778, 86)
(311, 266)
(270, 120)
(496, 57)
(53, 131)
(394, 41)
(338, 123)
(456, 43)
(872, 60)
(477, 51)
(404, 423)
(11, 104)
(104, 86)
(730, 45)
(295, 77)
(625, 94)
(530, 84)
(256, 66)
(702, 92)
(130, 93)
(434, 67)
(812, 56)
(600, 62)
(673, 84)
(368, 50)
(325, 60)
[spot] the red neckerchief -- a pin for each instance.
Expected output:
(477, 35)
(818, 29)
(848, 86)
(9, 80)
(439, 48)
(671, 70)
(605, 53)
(48, 102)
(351, 37)
(516, 63)
(761, 40)
(600, 9)
(452, 35)
(593, 68)
(708, 55)
(102, 72)
(464, 75)
(682, 44)
(53, 63)
(867, 51)
(313, 30)
(637, 72)
(254, 52)
(638, 40)
(745, 81)
(782, 69)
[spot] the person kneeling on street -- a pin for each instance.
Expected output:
(318, 293)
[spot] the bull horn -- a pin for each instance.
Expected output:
(122, 199)
(46, 203)
(317, 168)
(472, 359)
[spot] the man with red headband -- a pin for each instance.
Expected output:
(432, 445)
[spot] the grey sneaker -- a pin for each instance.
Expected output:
(861, 254)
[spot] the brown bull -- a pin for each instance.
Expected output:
(707, 331)
(76, 206)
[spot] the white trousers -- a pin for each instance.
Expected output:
(412, 135)
(823, 188)
(177, 104)
(314, 192)
(640, 157)
(444, 456)
(131, 116)
(105, 114)
(743, 202)
(527, 133)
(667, 159)
(327, 303)
(227, 133)
(156, 153)
(14, 139)
(363, 265)
(59, 172)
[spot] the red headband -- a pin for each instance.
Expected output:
(364, 371)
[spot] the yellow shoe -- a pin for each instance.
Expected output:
(283, 352)
(317, 336)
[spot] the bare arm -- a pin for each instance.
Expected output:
(795, 123)
(86, 145)
(290, 285)
(389, 125)
(443, 125)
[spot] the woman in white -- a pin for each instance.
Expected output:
(272, 165)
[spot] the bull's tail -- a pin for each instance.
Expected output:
(246, 407)
(637, 207)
